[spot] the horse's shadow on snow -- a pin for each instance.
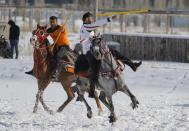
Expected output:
(182, 105)
(7, 113)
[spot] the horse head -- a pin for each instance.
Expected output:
(39, 35)
(41, 48)
(98, 47)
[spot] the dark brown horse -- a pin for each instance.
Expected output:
(43, 68)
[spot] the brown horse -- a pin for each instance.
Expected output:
(43, 68)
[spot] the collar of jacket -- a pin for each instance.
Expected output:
(50, 30)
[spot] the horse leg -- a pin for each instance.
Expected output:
(102, 97)
(36, 102)
(97, 102)
(70, 95)
(126, 90)
(112, 116)
(89, 112)
(82, 98)
(109, 105)
(43, 85)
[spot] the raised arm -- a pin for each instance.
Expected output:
(96, 24)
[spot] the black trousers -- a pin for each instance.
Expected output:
(94, 65)
(81, 64)
(61, 53)
(118, 55)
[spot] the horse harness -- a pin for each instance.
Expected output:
(115, 73)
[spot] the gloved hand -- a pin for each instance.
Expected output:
(62, 30)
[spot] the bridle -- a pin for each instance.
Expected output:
(37, 40)
(105, 51)
(38, 37)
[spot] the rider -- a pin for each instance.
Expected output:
(87, 30)
(61, 48)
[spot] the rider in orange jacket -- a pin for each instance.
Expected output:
(62, 45)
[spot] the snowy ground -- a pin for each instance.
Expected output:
(162, 93)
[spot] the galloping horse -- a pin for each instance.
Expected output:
(110, 78)
(43, 68)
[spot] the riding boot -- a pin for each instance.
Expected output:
(56, 72)
(125, 60)
(133, 65)
(29, 72)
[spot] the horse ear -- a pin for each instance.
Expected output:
(98, 35)
(38, 26)
(45, 27)
(91, 39)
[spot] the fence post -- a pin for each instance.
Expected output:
(10, 13)
(126, 22)
(73, 19)
(47, 13)
(168, 24)
(145, 23)
(4, 14)
(172, 23)
(121, 22)
(31, 19)
(15, 14)
(96, 11)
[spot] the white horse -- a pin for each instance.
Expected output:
(110, 79)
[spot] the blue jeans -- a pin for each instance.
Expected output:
(14, 44)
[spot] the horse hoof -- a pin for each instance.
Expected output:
(89, 114)
(134, 105)
(79, 99)
(59, 109)
(51, 112)
(100, 112)
(34, 112)
(116, 118)
(112, 119)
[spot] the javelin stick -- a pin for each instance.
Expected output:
(60, 31)
(120, 13)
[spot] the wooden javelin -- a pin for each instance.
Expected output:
(120, 13)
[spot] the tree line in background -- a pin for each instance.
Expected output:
(103, 4)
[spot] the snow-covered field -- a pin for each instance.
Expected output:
(163, 94)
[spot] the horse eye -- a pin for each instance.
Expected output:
(41, 33)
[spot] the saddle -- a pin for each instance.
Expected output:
(70, 63)
(111, 74)
(86, 71)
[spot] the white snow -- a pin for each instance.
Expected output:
(162, 93)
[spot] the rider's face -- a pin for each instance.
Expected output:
(89, 20)
(53, 23)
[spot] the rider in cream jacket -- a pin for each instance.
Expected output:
(87, 31)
